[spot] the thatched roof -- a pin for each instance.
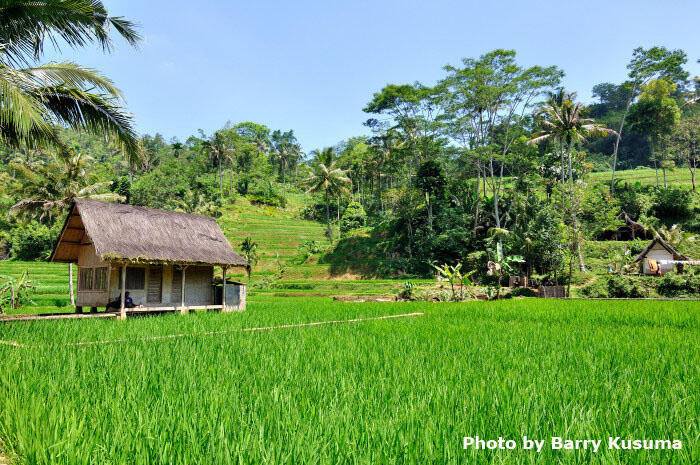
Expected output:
(665, 245)
(124, 233)
(629, 222)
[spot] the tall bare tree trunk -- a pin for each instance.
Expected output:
(617, 139)
(430, 211)
(692, 167)
(477, 200)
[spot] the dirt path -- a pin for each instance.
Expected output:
(587, 283)
(207, 333)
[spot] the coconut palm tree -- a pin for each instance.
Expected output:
(216, 150)
(563, 121)
(35, 98)
(49, 190)
(330, 179)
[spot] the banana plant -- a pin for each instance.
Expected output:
(15, 292)
(454, 275)
(502, 264)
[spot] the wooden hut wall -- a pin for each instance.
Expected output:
(658, 252)
(93, 291)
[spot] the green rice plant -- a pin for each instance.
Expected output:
(402, 391)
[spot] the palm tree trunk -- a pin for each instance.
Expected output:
(568, 154)
(284, 187)
(338, 217)
(561, 157)
(221, 180)
(328, 220)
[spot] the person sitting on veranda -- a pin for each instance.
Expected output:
(128, 302)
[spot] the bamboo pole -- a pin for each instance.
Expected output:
(183, 309)
(122, 311)
(223, 290)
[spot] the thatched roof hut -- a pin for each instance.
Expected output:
(125, 233)
(659, 250)
(156, 247)
(630, 230)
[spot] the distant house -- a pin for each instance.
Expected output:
(656, 256)
(165, 260)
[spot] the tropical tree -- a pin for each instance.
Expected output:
(562, 121)
(645, 65)
(249, 250)
(656, 114)
(216, 149)
(329, 179)
(47, 191)
(685, 141)
(34, 98)
(485, 101)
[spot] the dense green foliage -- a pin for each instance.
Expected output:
(399, 391)
(493, 153)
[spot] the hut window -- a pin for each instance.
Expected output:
(100, 279)
(136, 278)
(85, 279)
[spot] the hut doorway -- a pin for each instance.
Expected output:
(176, 288)
(154, 293)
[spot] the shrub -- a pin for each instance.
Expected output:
(673, 203)
(626, 287)
(597, 289)
(675, 285)
(521, 292)
(354, 217)
(31, 241)
(272, 200)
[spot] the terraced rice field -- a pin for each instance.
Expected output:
(646, 176)
(278, 232)
(402, 391)
(50, 280)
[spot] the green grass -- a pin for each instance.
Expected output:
(646, 176)
(390, 391)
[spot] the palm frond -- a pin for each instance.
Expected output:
(79, 109)
(26, 24)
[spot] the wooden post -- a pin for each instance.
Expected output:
(70, 284)
(223, 290)
(122, 312)
(183, 309)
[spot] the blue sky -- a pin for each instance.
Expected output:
(311, 66)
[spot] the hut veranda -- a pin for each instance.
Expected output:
(164, 259)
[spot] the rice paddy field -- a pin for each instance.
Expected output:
(391, 391)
